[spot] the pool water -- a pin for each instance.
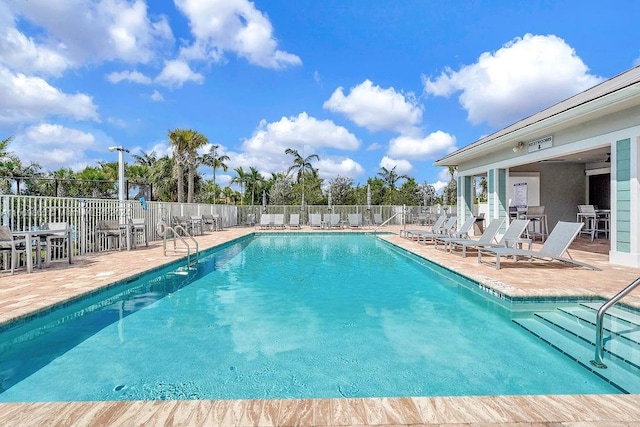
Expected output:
(285, 316)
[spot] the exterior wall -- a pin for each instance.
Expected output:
(625, 207)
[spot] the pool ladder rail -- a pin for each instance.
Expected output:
(178, 232)
(597, 360)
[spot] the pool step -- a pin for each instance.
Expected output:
(571, 330)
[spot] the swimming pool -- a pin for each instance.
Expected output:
(285, 316)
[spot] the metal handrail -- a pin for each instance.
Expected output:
(175, 230)
(388, 219)
(598, 362)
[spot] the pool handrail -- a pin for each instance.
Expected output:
(597, 361)
(175, 230)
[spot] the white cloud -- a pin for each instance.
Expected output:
(96, 31)
(374, 146)
(157, 96)
(130, 76)
(54, 146)
(177, 72)
(524, 76)
(233, 26)
(28, 99)
(19, 52)
(375, 108)
(402, 166)
(431, 146)
(306, 134)
(330, 168)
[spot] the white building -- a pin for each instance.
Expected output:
(583, 150)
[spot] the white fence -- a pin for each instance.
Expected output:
(83, 215)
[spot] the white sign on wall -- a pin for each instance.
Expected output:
(519, 195)
(540, 144)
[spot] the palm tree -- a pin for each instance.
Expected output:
(211, 159)
(178, 138)
(163, 176)
(241, 179)
(254, 180)
(391, 177)
(196, 141)
(145, 159)
(301, 165)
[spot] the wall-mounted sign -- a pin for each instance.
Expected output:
(540, 144)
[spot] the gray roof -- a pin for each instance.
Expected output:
(614, 84)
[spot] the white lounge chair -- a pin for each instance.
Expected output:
(355, 220)
(278, 220)
(294, 221)
(334, 221)
(513, 233)
(487, 238)
(315, 220)
(265, 221)
(553, 249)
(445, 230)
(410, 234)
(377, 219)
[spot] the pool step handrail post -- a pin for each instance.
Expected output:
(176, 235)
(597, 360)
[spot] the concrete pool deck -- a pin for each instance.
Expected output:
(22, 294)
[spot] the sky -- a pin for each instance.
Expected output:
(363, 84)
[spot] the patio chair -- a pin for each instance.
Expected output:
(487, 238)
(209, 221)
(355, 220)
(277, 220)
(511, 235)
(334, 221)
(109, 231)
(553, 249)
(294, 221)
(182, 222)
(251, 220)
(54, 243)
(315, 220)
(11, 247)
(377, 219)
(139, 228)
(434, 228)
(463, 232)
(265, 221)
(445, 230)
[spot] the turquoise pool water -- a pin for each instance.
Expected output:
(285, 316)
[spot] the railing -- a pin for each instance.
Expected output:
(174, 230)
(597, 361)
(21, 213)
(375, 230)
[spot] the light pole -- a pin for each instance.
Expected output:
(121, 150)
(215, 195)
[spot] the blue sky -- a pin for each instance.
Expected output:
(363, 84)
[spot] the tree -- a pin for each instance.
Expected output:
(450, 194)
(280, 189)
(163, 176)
(254, 182)
(302, 165)
(240, 179)
(212, 159)
(391, 177)
(185, 144)
(342, 191)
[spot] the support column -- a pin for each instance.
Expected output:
(465, 198)
(625, 203)
(497, 195)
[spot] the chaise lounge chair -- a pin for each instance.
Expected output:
(315, 220)
(486, 239)
(445, 230)
(294, 221)
(277, 221)
(355, 220)
(265, 221)
(553, 248)
(513, 233)
(410, 234)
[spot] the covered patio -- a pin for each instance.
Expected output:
(581, 151)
